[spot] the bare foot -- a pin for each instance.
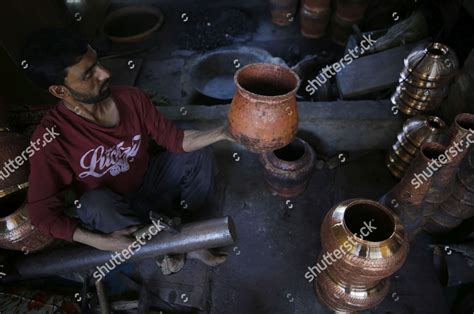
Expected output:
(207, 257)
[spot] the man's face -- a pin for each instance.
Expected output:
(88, 80)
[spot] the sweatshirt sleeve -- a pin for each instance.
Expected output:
(162, 130)
(50, 176)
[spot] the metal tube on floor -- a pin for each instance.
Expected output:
(207, 234)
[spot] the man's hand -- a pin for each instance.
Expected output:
(195, 140)
(226, 133)
(114, 242)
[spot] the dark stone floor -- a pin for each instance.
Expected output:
(278, 240)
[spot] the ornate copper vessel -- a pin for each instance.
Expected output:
(406, 197)
(314, 18)
(283, 11)
(358, 279)
(263, 115)
(455, 189)
(416, 131)
(288, 169)
(425, 79)
(12, 146)
(17, 233)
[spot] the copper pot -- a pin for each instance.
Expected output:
(132, 24)
(379, 254)
(313, 23)
(368, 256)
(416, 131)
(406, 197)
(341, 29)
(283, 11)
(351, 10)
(317, 5)
(17, 232)
(342, 297)
(263, 115)
(288, 169)
(12, 146)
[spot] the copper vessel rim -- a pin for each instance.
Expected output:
(439, 47)
(434, 147)
(435, 123)
(461, 116)
(300, 141)
(269, 65)
(385, 210)
(13, 189)
(21, 208)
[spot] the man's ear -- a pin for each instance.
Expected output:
(59, 91)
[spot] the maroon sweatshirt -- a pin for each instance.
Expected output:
(87, 156)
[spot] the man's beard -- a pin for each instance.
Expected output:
(90, 99)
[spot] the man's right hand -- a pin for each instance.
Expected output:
(114, 242)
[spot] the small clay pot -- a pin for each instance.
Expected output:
(288, 169)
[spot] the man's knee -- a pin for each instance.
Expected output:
(96, 202)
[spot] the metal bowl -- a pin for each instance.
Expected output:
(132, 24)
(212, 74)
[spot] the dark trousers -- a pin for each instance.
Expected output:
(174, 185)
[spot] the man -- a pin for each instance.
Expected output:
(101, 151)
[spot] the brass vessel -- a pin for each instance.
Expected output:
(367, 259)
(425, 79)
(415, 132)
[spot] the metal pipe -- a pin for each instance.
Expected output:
(102, 296)
(207, 234)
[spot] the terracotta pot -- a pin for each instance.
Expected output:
(416, 131)
(369, 244)
(283, 11)
(263, 115)
(12, 145)
(17, 233)
(313, 23)
(288, 169)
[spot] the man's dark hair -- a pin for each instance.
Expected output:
(48, 52)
